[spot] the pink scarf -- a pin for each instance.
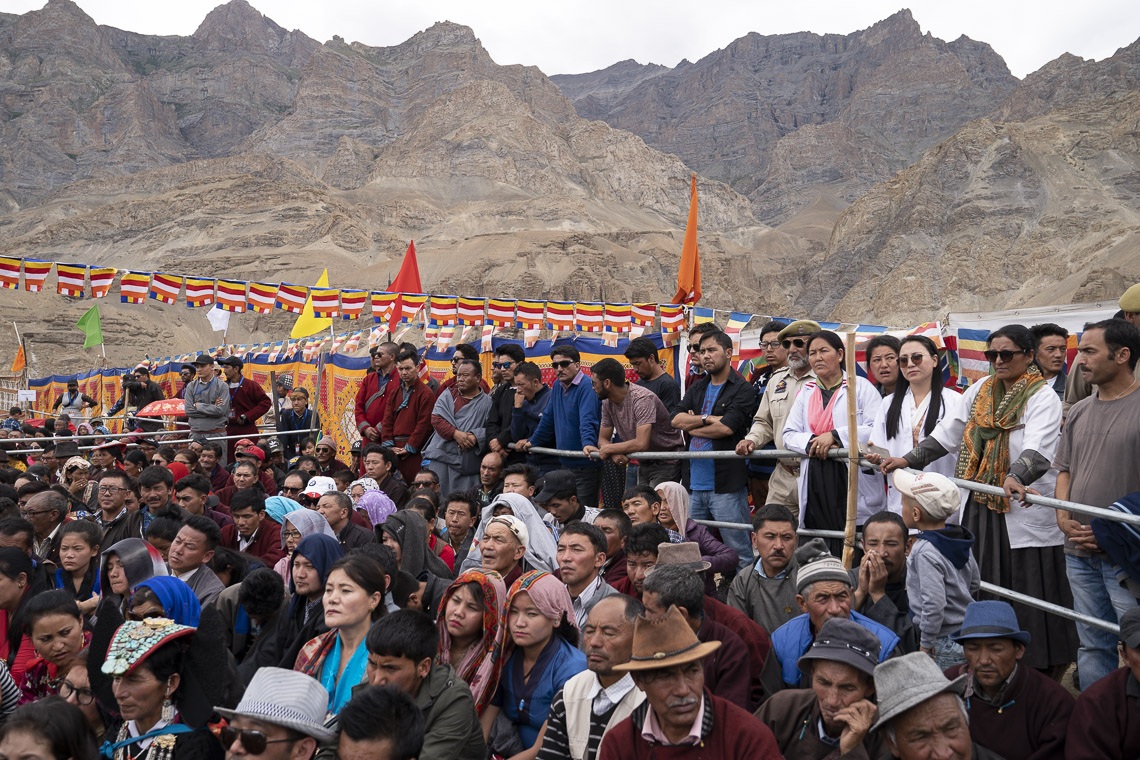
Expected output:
(483, 662)
(675, 495)
(548, 594)
(821, 419)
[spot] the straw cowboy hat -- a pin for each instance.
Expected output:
(664, 642)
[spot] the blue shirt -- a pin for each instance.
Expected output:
(702, 472)
(565, 663)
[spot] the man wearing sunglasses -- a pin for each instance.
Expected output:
(371, 397)
(775, 405)
(571, 422)
(507, 357)
(280, 717)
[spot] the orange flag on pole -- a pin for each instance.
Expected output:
(21, 361)
(689, 272)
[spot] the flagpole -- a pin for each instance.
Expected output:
(20, 344)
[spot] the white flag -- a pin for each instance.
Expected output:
(219, 319)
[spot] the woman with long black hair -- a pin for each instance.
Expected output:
(911, 413)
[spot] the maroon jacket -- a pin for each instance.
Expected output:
(408, 424)
(371, 401)
(1106, 719)
(266, 541)
(726, 669)
(727, 733)
(248, 400)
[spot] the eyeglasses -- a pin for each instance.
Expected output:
(82, 696)
(561, 364)
(502, 365)
(292, 534)
(285, 489)
(156, 460)
(915, 359)
(110, 489)
(770, 344)
(254, 742)
(797, 342)
(1005, 355)
(33, 513)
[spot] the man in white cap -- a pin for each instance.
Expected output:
(921, 712)
(280, 717)
(503, 547)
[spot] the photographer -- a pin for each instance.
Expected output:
(142, 391)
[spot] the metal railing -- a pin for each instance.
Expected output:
(265, 431)
(843, 454)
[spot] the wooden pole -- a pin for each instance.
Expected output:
(853, 456)
(276, 400)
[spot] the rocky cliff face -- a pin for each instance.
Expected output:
(870, 103)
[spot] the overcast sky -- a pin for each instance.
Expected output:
(585, 35)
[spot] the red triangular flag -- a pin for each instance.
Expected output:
(408, 280)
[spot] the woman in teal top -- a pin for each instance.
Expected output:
(354, 598)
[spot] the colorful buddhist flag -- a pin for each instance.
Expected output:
(326, 302)
(737, 321)
(589, 317)
(352, 306)
(10, 272)
(529, 314)
(199, 291)
(644, 314)
(560, 315)
(35, 274)
(134, 286)
(702, 314)
(71, 280)
(672, 318)
(165, 287)
(472, 311)
(410, 305)
(231, 296)
(262, 297)
(486, 339)
(501, 312)
(383, 306)
(446, 336)
(444, 311)
(291, 298)
(102, 278)
(689, 270)
(353, 343)
(618, 317)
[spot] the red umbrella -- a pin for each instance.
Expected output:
(167, 407)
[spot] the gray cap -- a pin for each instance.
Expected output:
(905, 682)
(816, 563)
(845, 641)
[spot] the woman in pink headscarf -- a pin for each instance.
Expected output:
(473, 630)
(674, 515)
(542, 655)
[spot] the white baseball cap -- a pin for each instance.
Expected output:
(318, 486)
(936, 494)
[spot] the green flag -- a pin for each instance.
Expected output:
(92, 327)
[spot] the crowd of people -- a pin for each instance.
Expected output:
(458, 585)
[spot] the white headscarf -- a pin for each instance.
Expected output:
(541, 551)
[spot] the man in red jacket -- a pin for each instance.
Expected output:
(679, 717)
(407, 416)
(371, 397)
(248, 402)
(253, 532)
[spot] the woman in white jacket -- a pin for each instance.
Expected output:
(1007, 435)
(816, 424)
(912, 412)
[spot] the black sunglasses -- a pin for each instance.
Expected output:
(502, 365)
(562, 364)
(254, 742)
(1005, 355)
(797, 342)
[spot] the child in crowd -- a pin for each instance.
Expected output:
(941, 573)
(78, 573)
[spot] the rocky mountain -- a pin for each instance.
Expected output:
(787, 118)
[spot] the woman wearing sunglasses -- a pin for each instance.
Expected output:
(817, 424)
(1006, 434)
(911, 413)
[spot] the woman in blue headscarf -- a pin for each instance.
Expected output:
(311, 562)
(276, 507)
(168, 597)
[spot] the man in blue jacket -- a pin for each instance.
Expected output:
(571, 421)
(823, 592)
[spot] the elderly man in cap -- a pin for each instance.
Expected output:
(921, 712)
(837, 712)
(248, 400)
(281, 716)
(680, 718)
(207, 400)
(1014, 709)
(1106, 719)
(823, 591)
(775, 405)
(597, 699)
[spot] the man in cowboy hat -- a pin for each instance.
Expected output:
(1014, 709)
(280, 717)
(837, 711)
(921, 712)
(679, 715)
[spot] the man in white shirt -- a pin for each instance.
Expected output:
(598, 698)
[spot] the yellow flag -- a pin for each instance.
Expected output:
(21, 361)
(307, 324)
